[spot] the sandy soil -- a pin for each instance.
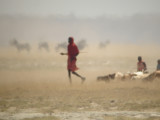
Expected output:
(90, 101)
(35, 86)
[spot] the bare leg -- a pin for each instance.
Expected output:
(83, 78)
(69, 75)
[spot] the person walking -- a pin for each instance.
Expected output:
(72, 53)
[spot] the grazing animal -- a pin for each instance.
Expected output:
(43, 45)
(60, 46)
(106, 78)
(20, 46)
(127, 76)
(137, 75)
(82, 44)
(121, 76)
(152, 76)
(109, 77)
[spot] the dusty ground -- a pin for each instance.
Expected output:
(37, 88)
(42, 96)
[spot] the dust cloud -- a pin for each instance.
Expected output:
(104, 44)
(82, 44)
(43, 45)
(37, 82)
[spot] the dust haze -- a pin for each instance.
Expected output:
(136, 29)
(35, 84)
(63, 45)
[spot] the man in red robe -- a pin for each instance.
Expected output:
(72, 54)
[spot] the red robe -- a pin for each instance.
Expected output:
(72, 52)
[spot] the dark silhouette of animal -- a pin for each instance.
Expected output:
(106, 78)
(20, 46)
(43, 45)
(60, 46)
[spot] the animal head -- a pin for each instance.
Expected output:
(14, 42)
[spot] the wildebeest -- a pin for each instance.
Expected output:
(43, 45)
(82, 44)
(20, 46)
(62, 45)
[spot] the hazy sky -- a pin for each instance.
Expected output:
(80, 8)
(141, 24)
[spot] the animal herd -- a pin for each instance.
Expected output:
(27, 47)
(130, 76)
(45, 46)
(82, 44)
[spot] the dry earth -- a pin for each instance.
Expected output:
(36, 87)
